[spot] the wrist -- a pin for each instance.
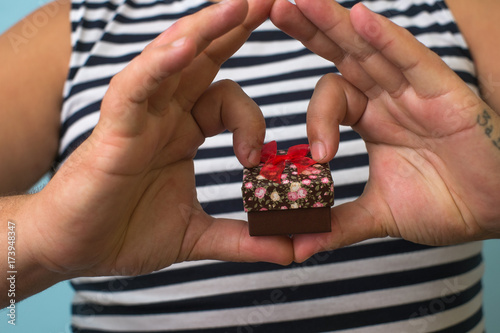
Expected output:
(25, 273)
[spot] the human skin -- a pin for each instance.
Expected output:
(111, 229)
(433, 145)
(124, 203)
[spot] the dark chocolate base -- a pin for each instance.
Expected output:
(290, 221)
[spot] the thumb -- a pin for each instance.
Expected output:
(352, 222)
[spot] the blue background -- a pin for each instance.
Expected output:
(49, 311)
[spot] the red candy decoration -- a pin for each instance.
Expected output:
(275, 164)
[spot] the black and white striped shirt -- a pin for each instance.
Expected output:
(387, 285)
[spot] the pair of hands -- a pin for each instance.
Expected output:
(125, 203)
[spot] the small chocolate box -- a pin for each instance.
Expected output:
(287, 193)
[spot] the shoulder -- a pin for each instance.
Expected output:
(478, 22)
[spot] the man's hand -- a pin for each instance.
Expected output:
(434, 146)
(124, 203)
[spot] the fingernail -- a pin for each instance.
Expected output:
(318, 151)
(254, 156)
(179, 42)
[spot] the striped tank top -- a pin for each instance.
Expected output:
(383, 285)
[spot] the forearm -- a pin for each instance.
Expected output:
(22, 275)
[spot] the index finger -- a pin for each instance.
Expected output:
(205, 67)
(422, 68)
(292, 21)
(205, 25)
(159, 65)
(390, 54)
(334, 21)
(224, 105)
